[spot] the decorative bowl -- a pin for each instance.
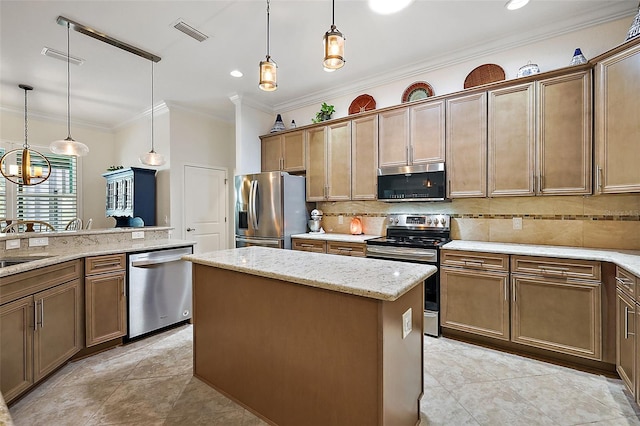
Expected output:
(528, 69)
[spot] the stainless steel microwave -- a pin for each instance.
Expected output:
(425, 182)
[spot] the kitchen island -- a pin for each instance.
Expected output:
(314, 339)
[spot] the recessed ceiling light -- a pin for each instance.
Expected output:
(236, 73)
(515, 4)
(53, 53)
(386, 7)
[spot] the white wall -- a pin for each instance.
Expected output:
(251, 122)
(41, 132)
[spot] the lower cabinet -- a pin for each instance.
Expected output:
(40, 324)
(105, 298)
(626, 340)
(315, 246)
(343, 248)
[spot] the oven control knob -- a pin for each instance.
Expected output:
(443, 221)
(392, 220)
(429, 221)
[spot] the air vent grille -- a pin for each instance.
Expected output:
(53, 53)
(182, 26)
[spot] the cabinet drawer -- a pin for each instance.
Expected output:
(558, 268)
(316, 246)
(107, 263)
(475, 260)
(346, 249)
(627, 282)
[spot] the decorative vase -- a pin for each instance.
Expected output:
(634, 31)
(278, 125)
(293, 124)
(578, 58)
(325, 117)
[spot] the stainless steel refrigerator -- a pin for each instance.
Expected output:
(270, 207)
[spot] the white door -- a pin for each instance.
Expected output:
(205, 207)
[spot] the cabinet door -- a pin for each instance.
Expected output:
(16, 347)
(364, 158)
(316, 164)
(271, 153)
(346, 248)
(339, 161)
(475, 302)
(564, 134)
(625, 340)
(467, 146)
(427, 133)
(105, 307)
(393, 137)
(293, 152)
(617, 125)
(562, 316)
(511, 142)
(58, 334)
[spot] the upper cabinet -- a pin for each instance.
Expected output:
(364, 158)
(329, 162)
(539, 137)
(413, 135)
(284, 152)
(617, 112)
(466, 143)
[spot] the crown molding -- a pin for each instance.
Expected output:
(239, 100)
(55, 119)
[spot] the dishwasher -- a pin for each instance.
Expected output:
(159, 290)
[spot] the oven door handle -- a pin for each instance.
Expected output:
(399, 253)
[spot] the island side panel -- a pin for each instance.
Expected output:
(403, 359)
(291, 353)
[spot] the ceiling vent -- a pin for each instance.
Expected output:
(53, 53)
(182, 26)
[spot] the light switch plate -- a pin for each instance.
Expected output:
(12, 244)
(340, 219)
(135, 235)
(38, 242)
(406, 323)
(517, 223)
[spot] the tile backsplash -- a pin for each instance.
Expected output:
(602, 221)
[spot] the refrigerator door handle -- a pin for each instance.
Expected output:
(253, 207)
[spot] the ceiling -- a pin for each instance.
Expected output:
(114, 86)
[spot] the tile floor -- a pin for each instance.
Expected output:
(149, 382)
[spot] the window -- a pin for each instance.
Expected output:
(3, 194)
(54, 201)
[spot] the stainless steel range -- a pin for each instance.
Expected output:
(416, 238)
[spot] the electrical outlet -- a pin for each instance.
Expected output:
(340, 219)
(406, 323)
(517, 223)
(38, 242)
(135, 235)
(12, 244)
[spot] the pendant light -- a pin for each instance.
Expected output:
(20, 171)
(333, 45)
(69, 146)
(152, 158)
(268, 68)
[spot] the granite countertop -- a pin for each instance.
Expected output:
(348, 238)
(97, 231)
(5, 416)
(74, 252)
(627, 259)
(377, 279)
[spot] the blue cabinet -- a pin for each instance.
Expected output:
(131, 194)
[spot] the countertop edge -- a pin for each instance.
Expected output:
(361, 238)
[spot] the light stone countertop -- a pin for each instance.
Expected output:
(5, 416)
(348, 238)
(73, 252)
(377, 279)
(627, 259)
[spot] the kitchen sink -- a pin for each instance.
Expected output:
(11, 261)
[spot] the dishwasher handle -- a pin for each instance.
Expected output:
(147, 263)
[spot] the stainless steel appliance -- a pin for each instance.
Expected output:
(417, 238)
(424, 182)
(270, 207)
(159, 290)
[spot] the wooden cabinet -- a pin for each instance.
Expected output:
(131, 193)
(41, 324)
(364, 158)
(343, 248)
(105, 298)
(511, 142)
(617, 138)
(284, 152)
(474, 293)
(466, 145)
(627, 323)
(329, 162)
(413, 135)
(553, 310)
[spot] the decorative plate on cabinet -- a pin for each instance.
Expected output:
(484, 74)
(418, 90)
(361, 104)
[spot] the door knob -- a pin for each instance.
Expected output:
(191, 229)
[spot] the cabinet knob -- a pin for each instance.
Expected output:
(191, 229)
